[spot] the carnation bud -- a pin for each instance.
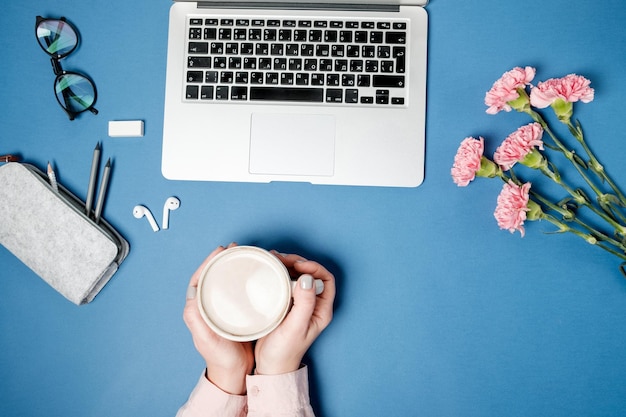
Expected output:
(534, 159)
(522, 103)
(534, 211)
(488, 168)
(563, 109)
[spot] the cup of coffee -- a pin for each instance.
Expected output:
(244, 293)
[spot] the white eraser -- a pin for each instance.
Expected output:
(126, 128)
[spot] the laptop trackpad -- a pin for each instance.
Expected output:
(292, 144)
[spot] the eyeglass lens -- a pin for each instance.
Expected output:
(56, 37)
(74, 92)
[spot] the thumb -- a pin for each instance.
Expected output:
(304, 300)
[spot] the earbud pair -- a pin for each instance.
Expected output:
(171, 204)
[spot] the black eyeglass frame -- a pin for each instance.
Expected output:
(59, 72)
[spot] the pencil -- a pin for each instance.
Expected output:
(103, 190)
(92, 179)
(53, 178)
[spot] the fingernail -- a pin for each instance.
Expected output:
(306, 282)
(191, 292)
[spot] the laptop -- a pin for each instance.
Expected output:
(323, 93)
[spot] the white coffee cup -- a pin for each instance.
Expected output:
(244, 293)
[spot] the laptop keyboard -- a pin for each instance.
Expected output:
(259, 60)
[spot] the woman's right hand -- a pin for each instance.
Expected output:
(282, 350)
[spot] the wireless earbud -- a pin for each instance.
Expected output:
(171, 203)
(141, 211)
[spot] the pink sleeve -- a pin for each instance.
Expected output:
(207, 400)
(279, 395)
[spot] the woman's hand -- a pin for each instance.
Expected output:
(227, 362)
(282, 350)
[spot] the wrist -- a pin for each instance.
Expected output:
(283, 367)
(229, 381)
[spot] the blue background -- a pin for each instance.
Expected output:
(439, 313)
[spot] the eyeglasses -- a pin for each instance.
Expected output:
(75, 92)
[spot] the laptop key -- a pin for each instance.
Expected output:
(382, 96)
(195, 33)
(198, 62)
(388, 81)
(256, 77)
(241, 77)
(195, 76)
(302, 78)
(395, 37)
(240, 34)
(299, 35)
(192, 92)
(239, 93)
(334, 95)
(315, 95)
(221, 92)
(318, 79)
(225, 34)
(211, 77)
(210, 33)
(352, 95)
(198, 47)
(363, 80)
(399, 53)
(206, 92)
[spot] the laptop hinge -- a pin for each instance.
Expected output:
(297, 6)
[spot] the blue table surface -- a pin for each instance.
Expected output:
(438, 312)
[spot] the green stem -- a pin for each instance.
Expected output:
(570, 156)
(583, 201)
(570, 216)
(594, 237)
(566, 152)
(597, 167)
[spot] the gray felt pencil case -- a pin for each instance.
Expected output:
(50, 233)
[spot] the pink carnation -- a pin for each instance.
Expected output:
(505, 89)
(518, 144)
(570, 88)
(512, 207)
(467, 161)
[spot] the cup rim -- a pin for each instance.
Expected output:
(229, 252)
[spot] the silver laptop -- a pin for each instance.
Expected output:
(325, 93)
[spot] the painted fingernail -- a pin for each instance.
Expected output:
(191, 292)
(306, 282)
